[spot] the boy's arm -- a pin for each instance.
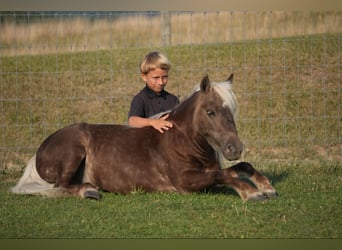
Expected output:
(160, 124)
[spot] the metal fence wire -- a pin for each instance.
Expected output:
(58, 68)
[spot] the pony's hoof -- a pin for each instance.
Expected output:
(92, 194)
(258, 197)
(271, 194)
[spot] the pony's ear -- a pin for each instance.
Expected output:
(230, 78)
(205, 84)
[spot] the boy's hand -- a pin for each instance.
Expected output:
(161, 124)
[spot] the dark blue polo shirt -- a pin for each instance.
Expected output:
(147, 103)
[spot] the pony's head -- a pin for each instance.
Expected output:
(214, 117)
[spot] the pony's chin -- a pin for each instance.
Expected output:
(231, 156)
(226, 153)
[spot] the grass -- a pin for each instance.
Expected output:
(289, 93)
(309, 206)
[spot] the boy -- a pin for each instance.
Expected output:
(153, 99)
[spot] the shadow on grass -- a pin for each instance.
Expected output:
(275, 178)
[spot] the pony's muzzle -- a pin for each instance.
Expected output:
(233, 151)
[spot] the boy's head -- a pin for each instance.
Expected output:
(154, 70)
(153, 61)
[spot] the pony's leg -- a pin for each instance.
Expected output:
(84, 190)
(64, 181)
(245, 169)
(216, 176)
(244, 190)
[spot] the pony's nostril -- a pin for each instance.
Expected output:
(232, 152)
(230, 148)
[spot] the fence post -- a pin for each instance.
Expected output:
(165, 28)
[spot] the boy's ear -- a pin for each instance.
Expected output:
(143, 76)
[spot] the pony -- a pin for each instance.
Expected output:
(83, 159)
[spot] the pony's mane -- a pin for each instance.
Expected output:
(223, 89)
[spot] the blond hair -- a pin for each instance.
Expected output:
(153, 61)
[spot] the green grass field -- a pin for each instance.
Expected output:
(309, 206)
(289, 91)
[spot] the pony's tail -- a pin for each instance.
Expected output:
(32, 183)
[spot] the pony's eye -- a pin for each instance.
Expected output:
(210, 113)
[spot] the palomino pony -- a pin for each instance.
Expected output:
(83, 158)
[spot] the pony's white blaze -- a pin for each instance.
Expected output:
(224, 89)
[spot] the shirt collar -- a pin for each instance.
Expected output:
(151, 94)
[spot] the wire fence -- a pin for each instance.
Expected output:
(58, 68)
